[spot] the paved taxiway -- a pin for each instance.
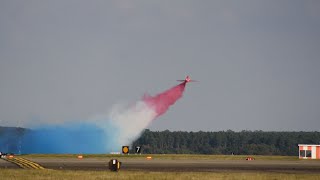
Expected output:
(296, 166)
(5, 164)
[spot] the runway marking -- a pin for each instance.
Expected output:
(33, 164)
(24, 163)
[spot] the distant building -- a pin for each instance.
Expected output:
(309, 151)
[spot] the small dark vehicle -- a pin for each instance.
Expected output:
(114, 165)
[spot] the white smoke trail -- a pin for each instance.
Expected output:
(124, 124)
(130, 122)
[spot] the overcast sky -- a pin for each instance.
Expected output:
(258, 62)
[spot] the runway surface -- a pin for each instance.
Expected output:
(293, 166)
(7, 165)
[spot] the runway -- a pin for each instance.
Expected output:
(7, 165)
(161, 165)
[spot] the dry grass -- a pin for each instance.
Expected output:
(87, 175)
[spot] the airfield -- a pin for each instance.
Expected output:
(166, 163)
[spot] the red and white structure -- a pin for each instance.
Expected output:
(309, 151)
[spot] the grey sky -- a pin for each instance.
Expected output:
(258, 61)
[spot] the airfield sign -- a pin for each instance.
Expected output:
(125, 149)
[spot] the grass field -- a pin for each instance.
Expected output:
(79, 175)
(167, 156)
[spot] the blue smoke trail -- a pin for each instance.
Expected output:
(98, 136)
(69, 138)
(9, 139)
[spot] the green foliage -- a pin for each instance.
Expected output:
(221, 142)
(225, 142)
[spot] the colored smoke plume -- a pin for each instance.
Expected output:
(101, 134)
(64, 139)
(130, 122)
(161, 102)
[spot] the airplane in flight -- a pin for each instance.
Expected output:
(187, 80)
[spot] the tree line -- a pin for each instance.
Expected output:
(225, 142)
(181, 142)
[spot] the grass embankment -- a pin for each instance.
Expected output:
(165, 156)
(87, 175)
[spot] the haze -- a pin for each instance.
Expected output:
(70, 60)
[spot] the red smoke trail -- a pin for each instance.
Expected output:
(161, 102)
